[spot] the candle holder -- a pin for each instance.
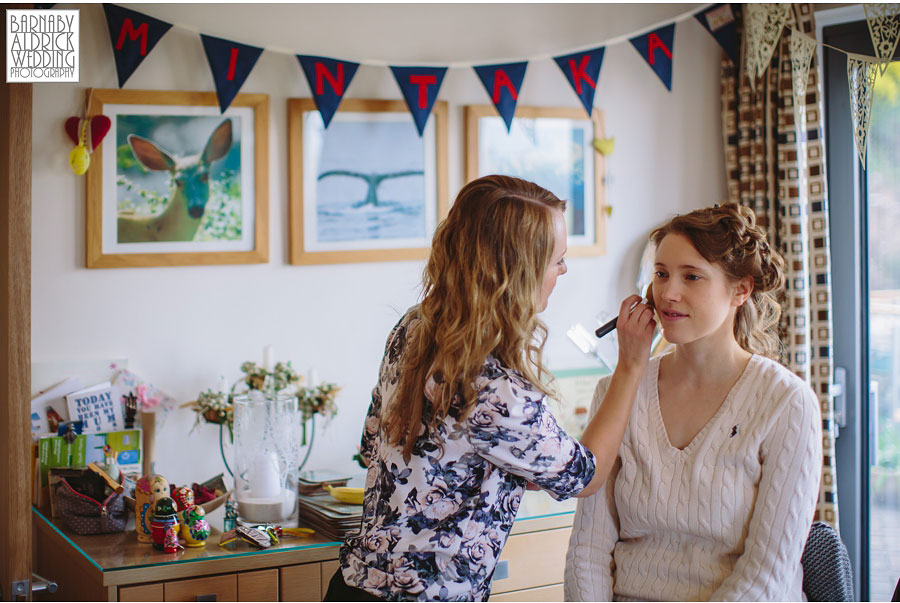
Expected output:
(267, 445)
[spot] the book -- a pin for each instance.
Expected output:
(49, 407)
(56, 451)
(98, 407)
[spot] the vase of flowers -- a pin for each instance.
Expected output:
(217, 406)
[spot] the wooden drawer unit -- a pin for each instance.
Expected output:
(223, 588)
(531, 560)
(301, 582)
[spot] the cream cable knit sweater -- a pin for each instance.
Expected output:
(724, 519)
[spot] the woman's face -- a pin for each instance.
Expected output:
(557, 266)
(695, 300)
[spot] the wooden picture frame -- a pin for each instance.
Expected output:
(368, 188)
(150, 212)
(536, 149)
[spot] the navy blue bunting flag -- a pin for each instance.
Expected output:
(230, 63)
(658, 48)
(133, 36)
(420, 87)
(328, 79)
(719, 20)
(502, 83)
(582, 70)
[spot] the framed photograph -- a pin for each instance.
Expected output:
(368, 188)
(176, 182)
(552, 147)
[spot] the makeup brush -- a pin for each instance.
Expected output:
(609, 326)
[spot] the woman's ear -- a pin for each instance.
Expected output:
(742, 290)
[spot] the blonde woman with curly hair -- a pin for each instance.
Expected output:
(717, 477)
(458, 425)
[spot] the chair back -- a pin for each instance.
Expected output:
(826, 566)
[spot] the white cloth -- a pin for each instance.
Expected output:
(724, 519)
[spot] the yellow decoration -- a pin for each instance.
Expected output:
(353, 496)
(79, 160)
(605, 146)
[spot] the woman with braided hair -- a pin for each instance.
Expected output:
(717, 477)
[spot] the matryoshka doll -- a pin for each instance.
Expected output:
(184, 498)
(164, 517)
(149, 489)
(194, 527)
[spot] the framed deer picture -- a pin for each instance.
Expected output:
(176, 182)
(368, 188)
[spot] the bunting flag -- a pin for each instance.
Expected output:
(658, 49)
(861, 72)
(763, 24)
(230, 64)
(502, 83)
(133, 36)
(420, 87)
(582, 69)
(802, 49)
(719, 20)
(884, 27)
(328, 80)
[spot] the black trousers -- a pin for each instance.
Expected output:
(338, 590)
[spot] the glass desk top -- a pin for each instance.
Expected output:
(121, 550)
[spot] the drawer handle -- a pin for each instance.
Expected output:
(209, 597)
(501, 572)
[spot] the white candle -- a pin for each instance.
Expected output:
(268, 354)
(223, 385)
(264, 479)
(312, 378)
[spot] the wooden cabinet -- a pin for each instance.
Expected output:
(115, 567)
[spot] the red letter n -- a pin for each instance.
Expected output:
(653, 43)
(578, 73)
(129, 30)
(423, 81)
(336, 84)
(501, 79)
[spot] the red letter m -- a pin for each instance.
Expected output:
(336, 84)
(129, 30)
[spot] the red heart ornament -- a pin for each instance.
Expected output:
(72, 128)
(99, 124)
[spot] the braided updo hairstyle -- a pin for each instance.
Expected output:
(729, 237)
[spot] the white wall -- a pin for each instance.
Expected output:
(182, 327)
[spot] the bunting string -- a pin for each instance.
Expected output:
(133, 36)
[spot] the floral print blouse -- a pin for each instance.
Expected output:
(433, 528)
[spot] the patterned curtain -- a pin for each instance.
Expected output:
(778, 169)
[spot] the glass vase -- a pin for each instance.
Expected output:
(267, 445)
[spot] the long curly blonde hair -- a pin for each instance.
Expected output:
(480, 297)
(729, 237)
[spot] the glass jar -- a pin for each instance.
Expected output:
(267, 445)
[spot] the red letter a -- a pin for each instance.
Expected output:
(653, 42)
(501, 79)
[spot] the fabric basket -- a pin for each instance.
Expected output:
(84, 515)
